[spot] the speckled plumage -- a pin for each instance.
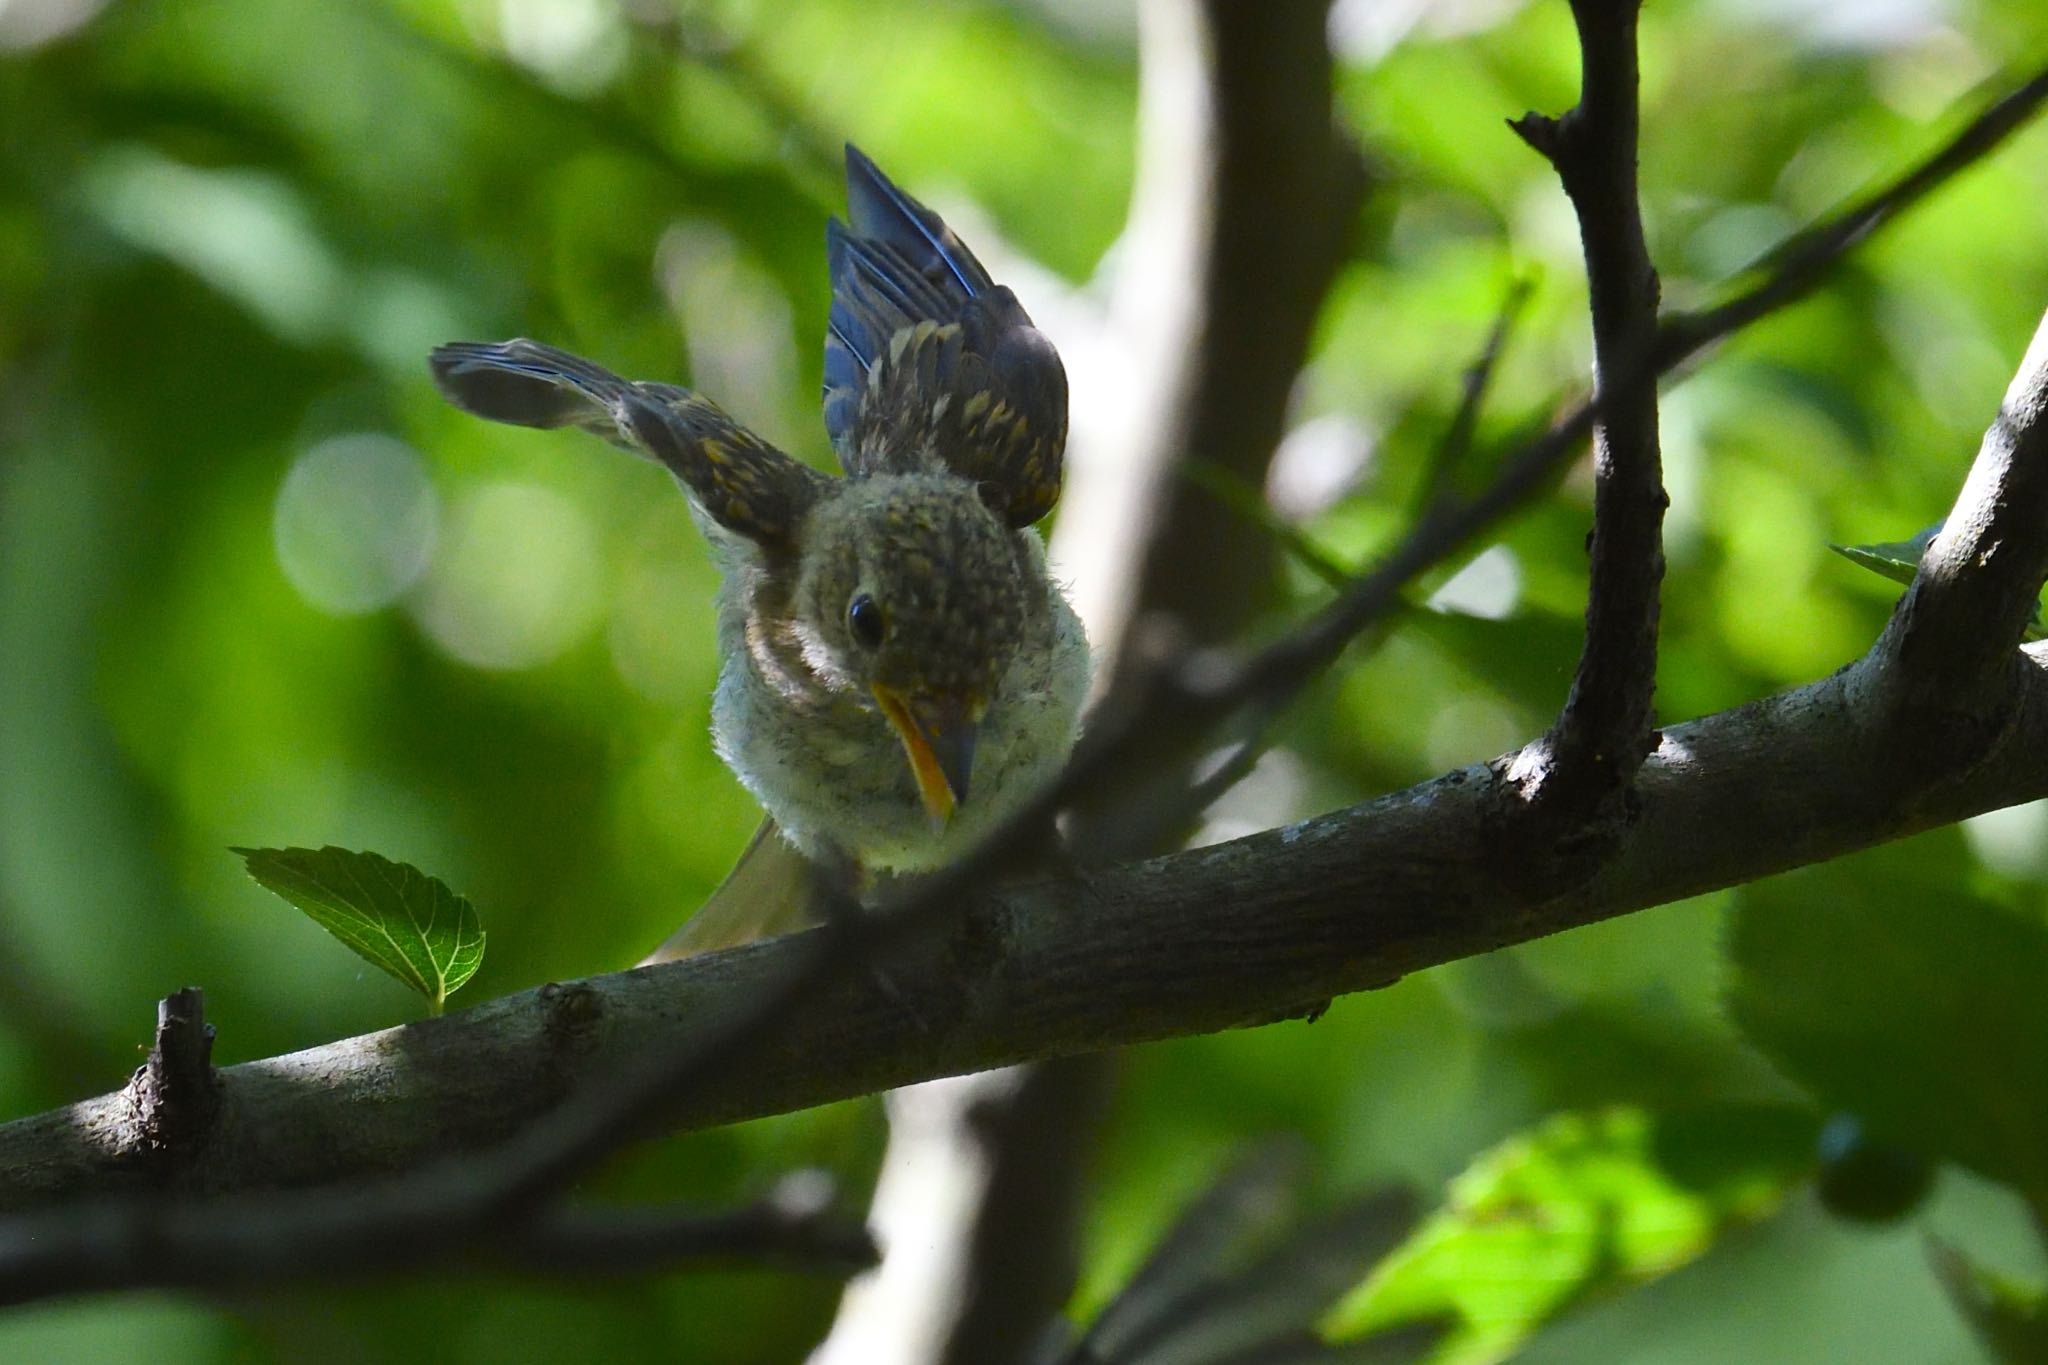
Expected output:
(948, 411)
(979, 614)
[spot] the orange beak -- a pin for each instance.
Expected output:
(938, 733)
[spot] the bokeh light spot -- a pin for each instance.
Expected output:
(2012, 841)
(517, 579)
(354, 522)
(1490, 586)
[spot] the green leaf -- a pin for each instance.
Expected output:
(1580, 1204)
(391, 914)
(1892, 991)
(1897, 560)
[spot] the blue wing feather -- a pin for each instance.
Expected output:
(894, 264)
(880, 211)
(927, 358)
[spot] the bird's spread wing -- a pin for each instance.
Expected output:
(928, 359)
(745, 484)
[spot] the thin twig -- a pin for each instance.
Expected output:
(1238, 494)
(1440, 476)
(1790, 271)
(1796, 271)
(246, 1242)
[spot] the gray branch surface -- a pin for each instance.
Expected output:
(1568, 789)
(1237, 934)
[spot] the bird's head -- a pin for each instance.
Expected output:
(911, 600)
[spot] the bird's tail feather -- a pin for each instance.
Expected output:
(770, 891)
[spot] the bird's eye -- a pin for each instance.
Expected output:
(864, 619)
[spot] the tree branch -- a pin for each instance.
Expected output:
(1570, 784)
(1440, 478)
(1794, 271)
(1234, 934)
(173, 1095)
(1946, 658)
(244, 1242)
(1231, 935)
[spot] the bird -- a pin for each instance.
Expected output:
(900, 671)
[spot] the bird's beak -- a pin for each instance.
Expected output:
(937, 730)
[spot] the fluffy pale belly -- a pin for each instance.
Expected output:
(840, 780)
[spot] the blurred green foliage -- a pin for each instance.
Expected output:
(259, 587)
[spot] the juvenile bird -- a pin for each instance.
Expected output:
(899, 669)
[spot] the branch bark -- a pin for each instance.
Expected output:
(1566, 792)
(1236, 934)
(1944, 664)
(249, 1242)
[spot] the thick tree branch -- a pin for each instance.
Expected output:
(1570, 783)
(1948, 651)
(1235, 934)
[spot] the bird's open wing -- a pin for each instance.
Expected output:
(744, 483)
(928, 360)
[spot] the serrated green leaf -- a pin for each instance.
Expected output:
(1884, 985)
(390, 914)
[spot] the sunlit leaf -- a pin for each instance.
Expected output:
(1578, 1204)
(390, 914)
